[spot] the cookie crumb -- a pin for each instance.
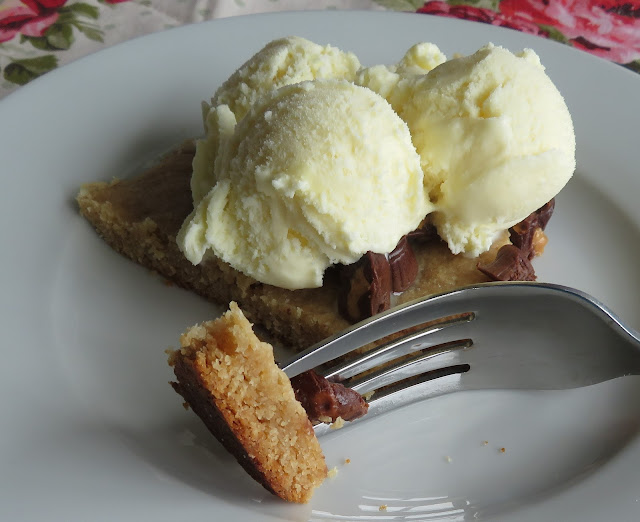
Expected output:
(485, 442)
(383, 507)
(448, 458)
(503, 450)
(347, 461)
(368, 395)
(332, 472)
(339, 423)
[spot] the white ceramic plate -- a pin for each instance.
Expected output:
(92, 431)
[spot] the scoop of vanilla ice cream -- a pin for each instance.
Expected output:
(495, 139)
(387, 80)
(283, 62)
(316, 173)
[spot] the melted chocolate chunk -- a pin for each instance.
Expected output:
(545, 212)
(378, 272)
(365, 288)
(366, 285)
(511, 264)
(404, 266)
(425, 232)
(323, 399)
(522, 234)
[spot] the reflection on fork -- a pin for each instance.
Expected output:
(488, 336)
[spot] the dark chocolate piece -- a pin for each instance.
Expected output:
(425, 232)
(511, 264)
(522, 234)
(323, 399)
(404, 266)
(545, 212)
(366, 287)
(378, 272)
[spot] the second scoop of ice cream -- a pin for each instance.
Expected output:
(495, 138)
(317, 173)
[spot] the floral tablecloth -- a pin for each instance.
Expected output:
(37, 36)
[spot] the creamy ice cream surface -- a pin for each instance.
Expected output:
(316, 173)
(495, 139)
(283, 62)
(391, 81)
(310, 159)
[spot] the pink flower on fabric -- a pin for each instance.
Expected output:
(27, 17)
(607, 28)
(479, 14)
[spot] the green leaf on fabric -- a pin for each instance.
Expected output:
(483, 4)
(554, 34)
(88, 10)
(65, 17)
(39, 42)
(401, 5)
(14, 73)
(634, 66)
(23, 71)
(60, 36)
(83, 9)
(90, 32)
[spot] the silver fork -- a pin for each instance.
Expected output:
(488, 336)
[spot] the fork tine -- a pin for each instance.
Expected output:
(420, 378)
(418, 312)
(428, 337)
(426, 360)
